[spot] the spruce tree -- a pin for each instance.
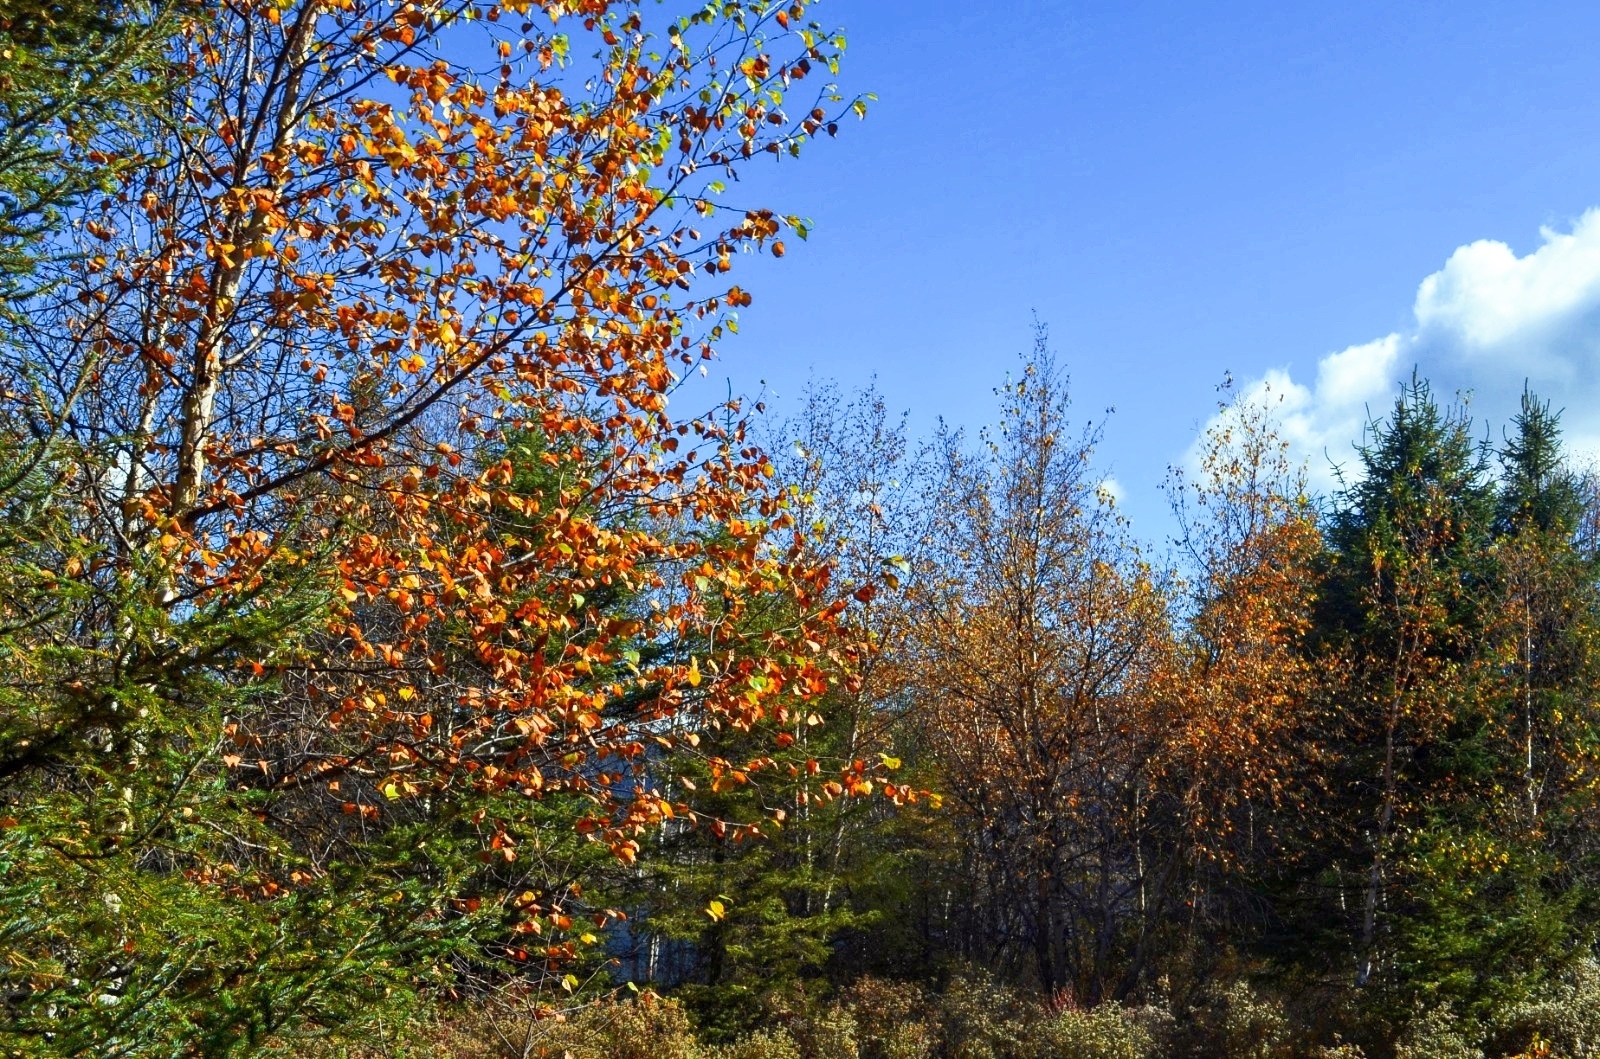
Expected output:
(1401, 620)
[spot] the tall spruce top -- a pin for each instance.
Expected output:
(1537, 488)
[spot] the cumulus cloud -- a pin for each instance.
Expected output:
(1483, 324)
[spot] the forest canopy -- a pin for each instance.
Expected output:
(395, 658)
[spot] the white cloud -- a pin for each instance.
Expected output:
(1487, 303)
(1484, 323)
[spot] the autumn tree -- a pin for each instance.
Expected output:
(1041, 640)
(1239, 766)
(728, 920)
(261, 412)
(861, 486)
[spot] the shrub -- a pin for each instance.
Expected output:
(776, 1044)
(1253, 1026)
(648, 1028)
(434, 1033)
(1567, 1020)
(979, 1018)
(829, 1034)
(1235, 1021)
(1437, 1034)
(891, 1019)
(1107, 1032)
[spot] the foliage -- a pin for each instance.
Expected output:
(1566, 1018)
(1107, 1032)
(649, 1028)
(1039, 643)
(1436, 1034)
(354, 579)
(773, 1044)
(388, 660)
(74, 72)
(1446, 711)
(724, 918)
(1235, 1019)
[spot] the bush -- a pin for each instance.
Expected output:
(1107, 1032)
(648, 1028)
(1437, 1034)
(979, 1018)
(831, 1032)
(776, 1044)
(891, 1019)
(1236, 1021)
(428, 1037)
(1342, 1050)
(1568, 1020)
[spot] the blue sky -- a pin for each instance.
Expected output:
(1181, 190)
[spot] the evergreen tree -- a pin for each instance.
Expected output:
(68, 69)
(740, 902)
(1537, 488)
(1449, 598)
(1403, 615)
